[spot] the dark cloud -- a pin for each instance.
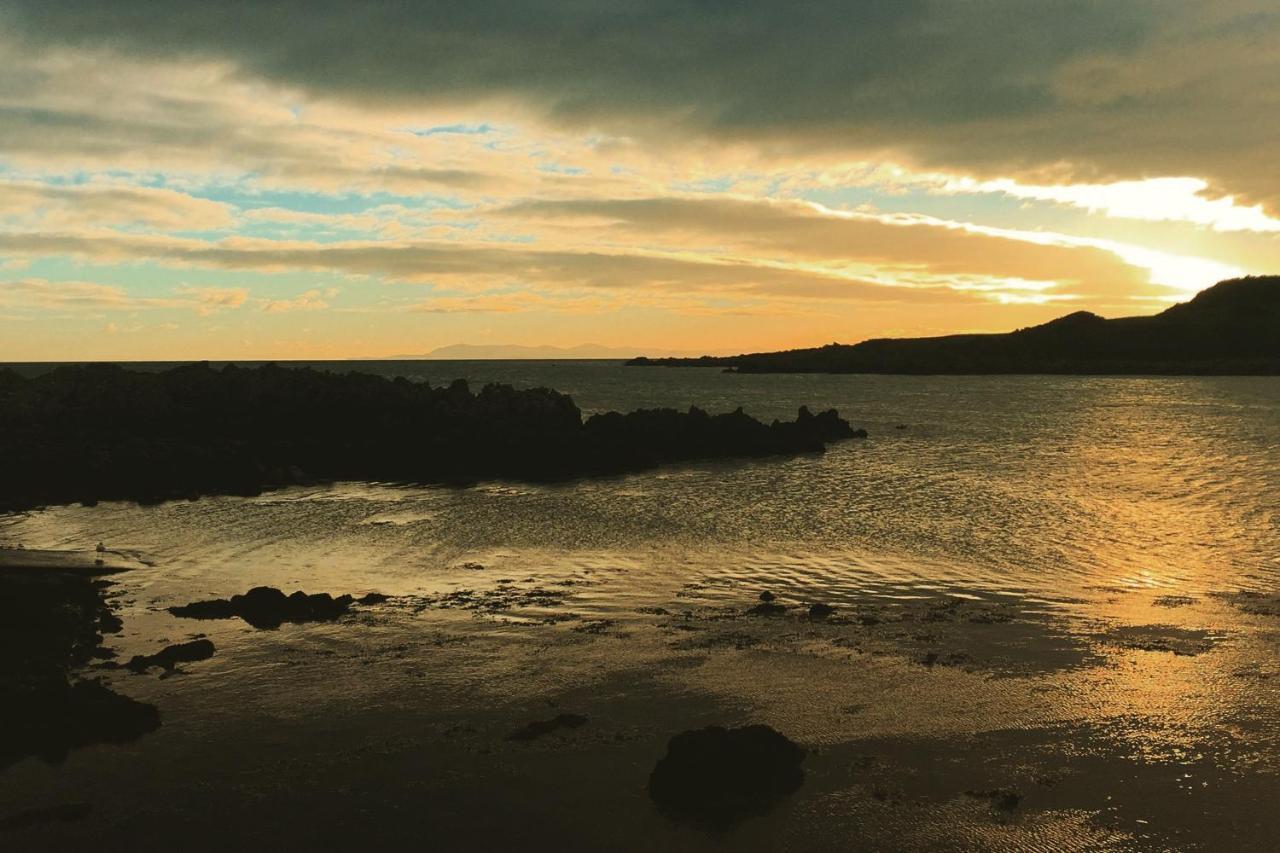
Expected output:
(1094, 89)
(1086, 89)
(738, 69)
(733, 67)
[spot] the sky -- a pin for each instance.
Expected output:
(320, 179)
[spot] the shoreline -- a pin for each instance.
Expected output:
(95, 433)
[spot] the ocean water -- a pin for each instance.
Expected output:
(1039, 485)
(1088, 563)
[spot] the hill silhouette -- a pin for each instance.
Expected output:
(1230, 328)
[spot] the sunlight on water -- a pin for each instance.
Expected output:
(1067, 573)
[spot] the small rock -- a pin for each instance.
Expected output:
(171, 656)
(539, 728)
(1004, 799)
(818, 610)
(720, 776)
(768, 608)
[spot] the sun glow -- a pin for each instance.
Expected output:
(1181, 199)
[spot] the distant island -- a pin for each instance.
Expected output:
(90, 433)
(1232, 328)
(516, 352)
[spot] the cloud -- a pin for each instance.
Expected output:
(29, 204)
(908, 248)
(736, 246)
(41, 293)
(311, 300)
(211, 300)
(483, 264)
(69, 112)
(1153, 200)
(1084, 90)
(45, 294)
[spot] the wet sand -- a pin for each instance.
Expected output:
(88, 562)
(943, 720)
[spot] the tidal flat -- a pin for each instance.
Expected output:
(1040, 628)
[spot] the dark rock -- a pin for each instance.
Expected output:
(53, 626)
(103, 432)
(1232, 328)
(267, 607)
(58, 718)
(170, 656)
(373, 598)
(931, 659)
(1003, 799)
(539, 728)
(1173, 601)
(719, 776)
(818, 610)
(768, 608)
(767, 596)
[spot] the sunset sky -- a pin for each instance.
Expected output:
(218, 180)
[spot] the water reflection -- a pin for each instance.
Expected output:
(1033, 585)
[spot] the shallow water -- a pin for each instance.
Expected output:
(1047, 569)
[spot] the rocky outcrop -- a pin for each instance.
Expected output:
(538, 728)
(53, 626)
(267, 607)
(169, 657)
(99, 432)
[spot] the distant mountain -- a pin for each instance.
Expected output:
(467, 352)
(1231, 328)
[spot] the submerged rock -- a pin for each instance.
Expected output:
(170, 656)
(1001, 799)
(768, 608)
(818, 610)
(267, 607)
(538, 728)
(719, 776)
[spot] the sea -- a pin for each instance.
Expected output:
(1060, 593)
(1044, 485)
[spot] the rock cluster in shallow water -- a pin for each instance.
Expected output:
(268, 607)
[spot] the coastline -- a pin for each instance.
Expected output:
(100, 432)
